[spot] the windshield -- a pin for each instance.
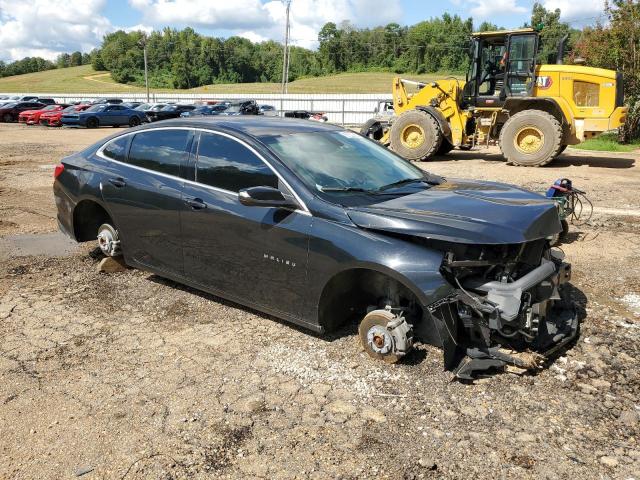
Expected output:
(168, 108)
(50, 107)
(142, 106)
(71, 108)
(10, 105)
(96, 108)
(345, 163)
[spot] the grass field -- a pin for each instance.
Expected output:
(608, 142)
(86, 80)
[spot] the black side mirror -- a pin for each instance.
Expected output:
(265, 197)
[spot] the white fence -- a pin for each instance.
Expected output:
(344, 109)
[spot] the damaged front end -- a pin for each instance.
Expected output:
(508, 307)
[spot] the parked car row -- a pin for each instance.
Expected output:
(33, 110)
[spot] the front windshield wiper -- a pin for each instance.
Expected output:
(345, 189)
(404, 181)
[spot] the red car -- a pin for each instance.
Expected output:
(32, 117)
(52, 118)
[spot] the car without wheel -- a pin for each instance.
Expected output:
(103, 114)
(320, 226)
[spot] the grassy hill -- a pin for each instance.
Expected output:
(86, 80)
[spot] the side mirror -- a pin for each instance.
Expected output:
(265, 197)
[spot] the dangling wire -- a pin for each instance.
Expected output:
(576, 208)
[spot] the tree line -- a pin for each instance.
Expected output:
(38, 64)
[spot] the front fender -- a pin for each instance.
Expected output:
(336, 247)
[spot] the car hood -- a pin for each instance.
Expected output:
(464, 211)
(29, 112)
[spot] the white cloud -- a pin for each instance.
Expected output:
(139, 28)
(260, 21)
(228, 14)
(487, 9)
(253, 36)
(581, 13)
(48, 27)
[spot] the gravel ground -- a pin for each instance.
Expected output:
(128, 375)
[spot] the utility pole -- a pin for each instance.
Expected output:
(285, 57)
(143, 43)
(146, 73)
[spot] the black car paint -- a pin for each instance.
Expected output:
(175, 112)
(280, 261)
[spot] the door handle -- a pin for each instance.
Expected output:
(196, 204)
(118, 182)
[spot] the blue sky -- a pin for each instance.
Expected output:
(49, 27)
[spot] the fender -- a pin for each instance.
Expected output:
(437, 115)
(554, 105)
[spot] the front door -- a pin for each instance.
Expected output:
(521, 65)
(491, 72)
(143, 192)
(252, 254)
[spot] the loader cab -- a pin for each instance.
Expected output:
(502, 65)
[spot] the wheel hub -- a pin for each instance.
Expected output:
(108, 240)
(529, 140)
(412, 136)
(380, 340)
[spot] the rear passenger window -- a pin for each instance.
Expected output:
(116, 149)
(227, 164)
(159, 150)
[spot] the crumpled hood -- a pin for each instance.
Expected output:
(464, 211)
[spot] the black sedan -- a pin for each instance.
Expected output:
(320, 226)
(168, 111)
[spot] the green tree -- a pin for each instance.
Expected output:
(616, 45)
(63, 60)
(553, 30)
(75, 59)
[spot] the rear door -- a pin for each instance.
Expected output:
(143, 191)
(254, 254)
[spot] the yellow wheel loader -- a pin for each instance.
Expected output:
(531, 111)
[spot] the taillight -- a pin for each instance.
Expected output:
(58, 170)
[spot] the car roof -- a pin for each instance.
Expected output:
(256, 126)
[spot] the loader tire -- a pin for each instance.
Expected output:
(445, 147)
(372, 129)
(415, 135)
(531, 138)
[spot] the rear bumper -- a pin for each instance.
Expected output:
(64, 206)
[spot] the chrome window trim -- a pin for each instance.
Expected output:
(99, 153)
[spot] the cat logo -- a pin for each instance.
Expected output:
(544, 82)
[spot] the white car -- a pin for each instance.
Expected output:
(268, 110)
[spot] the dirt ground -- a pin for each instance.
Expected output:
(127, 375)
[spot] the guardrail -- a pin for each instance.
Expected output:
(343, 109)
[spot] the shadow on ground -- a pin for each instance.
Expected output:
(568, 159)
